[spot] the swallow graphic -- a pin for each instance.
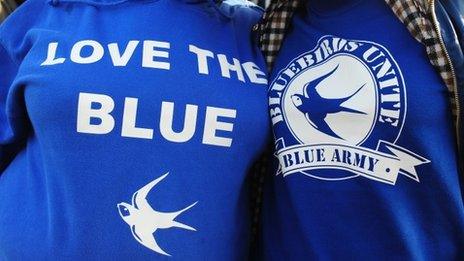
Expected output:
(316, 108)
(143, 220)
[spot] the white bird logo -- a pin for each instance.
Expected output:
(144, 220)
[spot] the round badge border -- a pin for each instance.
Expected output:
(402, 86)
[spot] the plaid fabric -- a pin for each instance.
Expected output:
(418, 18)
(273, 27)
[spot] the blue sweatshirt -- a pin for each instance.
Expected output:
(365, 143)
(127, 129)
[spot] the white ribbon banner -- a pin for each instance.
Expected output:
(383, 164)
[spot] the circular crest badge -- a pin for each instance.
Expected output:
(341, 106)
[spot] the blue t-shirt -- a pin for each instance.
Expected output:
(127, 129)
(365, 143)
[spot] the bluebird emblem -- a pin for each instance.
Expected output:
(144, 221)
(316, 108)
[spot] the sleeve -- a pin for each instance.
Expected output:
(12, 130)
